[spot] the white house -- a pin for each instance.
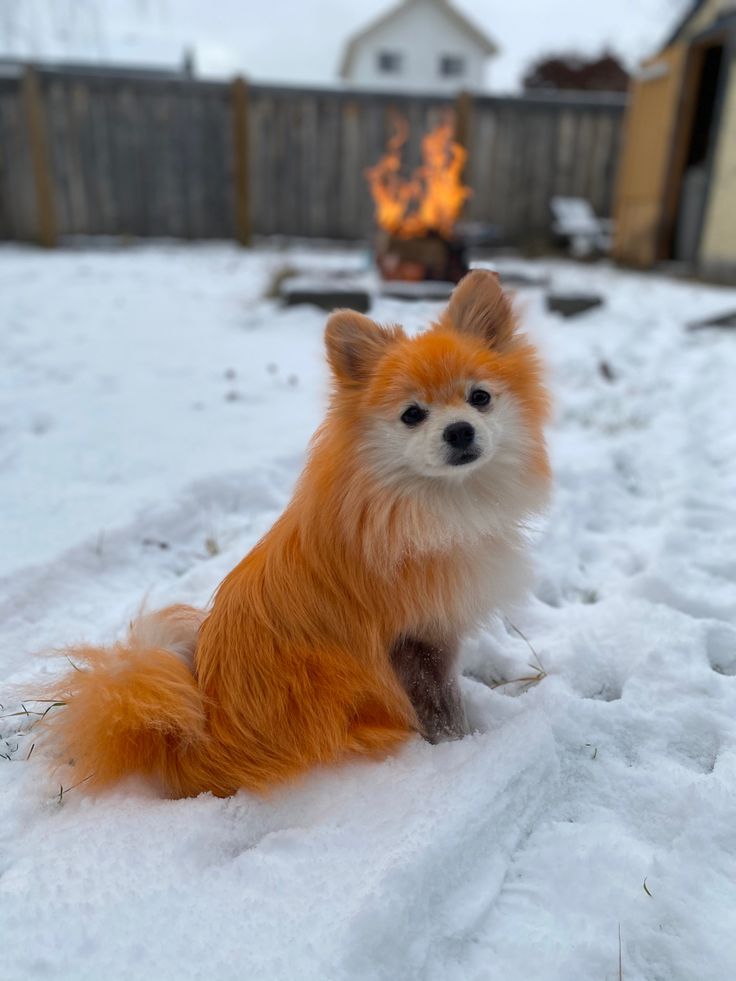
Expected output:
(420, 45)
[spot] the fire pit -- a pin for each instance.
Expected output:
(419, 259)
(417, 215)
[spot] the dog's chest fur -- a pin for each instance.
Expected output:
(459, 588)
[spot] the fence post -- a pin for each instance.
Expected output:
(46, 230)
(463, 114)
(241, 161)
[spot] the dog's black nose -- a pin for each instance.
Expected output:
(459, 435)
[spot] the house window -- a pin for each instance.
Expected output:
(452, 66)
(389, 62)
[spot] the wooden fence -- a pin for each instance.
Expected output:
(111, 152)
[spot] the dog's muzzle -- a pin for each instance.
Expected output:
(460, 438)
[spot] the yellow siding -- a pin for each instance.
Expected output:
(648, 138)
(719, 235)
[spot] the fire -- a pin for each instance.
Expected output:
(432, 198)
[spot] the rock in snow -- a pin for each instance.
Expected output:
(598, 802)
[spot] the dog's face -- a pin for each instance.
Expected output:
(447, 403)
(435, 408)
(458, 432)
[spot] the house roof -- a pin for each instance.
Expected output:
(463, 22)
(684, 20)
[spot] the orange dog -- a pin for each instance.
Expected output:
(338, 633)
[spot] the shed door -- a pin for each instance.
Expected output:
(651, 119)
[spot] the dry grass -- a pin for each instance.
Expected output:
(526, 681)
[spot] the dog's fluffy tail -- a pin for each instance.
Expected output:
(140, 707)
(134, 707)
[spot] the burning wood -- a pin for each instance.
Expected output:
(417, 214)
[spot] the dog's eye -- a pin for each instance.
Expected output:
(413, 415)
(479, 398)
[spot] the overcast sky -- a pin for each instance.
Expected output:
(301, 41)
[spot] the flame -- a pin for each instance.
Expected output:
(432, 198)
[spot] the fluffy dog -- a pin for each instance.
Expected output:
(338, 633)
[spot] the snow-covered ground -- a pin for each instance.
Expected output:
(154, 411)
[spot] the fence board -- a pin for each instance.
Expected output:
(17, 193)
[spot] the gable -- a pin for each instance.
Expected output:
(396, 18)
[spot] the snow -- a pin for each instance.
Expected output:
(155, 409)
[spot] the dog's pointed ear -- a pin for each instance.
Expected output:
(479, 306)
(355, 343)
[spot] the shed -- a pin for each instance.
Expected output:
(676, 194)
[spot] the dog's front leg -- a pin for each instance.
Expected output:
(426, 670)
